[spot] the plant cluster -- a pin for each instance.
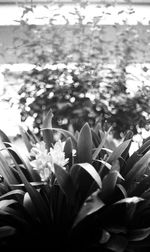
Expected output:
(82, 93)
(74, 193)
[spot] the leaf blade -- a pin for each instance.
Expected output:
(84, 145)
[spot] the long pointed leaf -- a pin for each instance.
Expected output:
(68, 148)
(137, 170)
(118, 151)
(66, 183)
(25, 161)
(135, 157)
(141, 187)
(25, 139)
(99, 148)
(108, 185)
(91, 205)
(92, 172)
(84, 145)
(47, 122)
(4, 137)
(38, 202)
(6, 171)
(15, 194)
(95, 138)
(47, 130)
(6, 231)
(5, 203)
(138, 234)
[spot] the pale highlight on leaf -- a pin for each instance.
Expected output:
(99, 148)
(91, 170)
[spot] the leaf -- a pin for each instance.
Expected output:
(135, 157)
(131, 205)
(98, 128)
(66, 183)
(95, 138)
(86, 179)
(141, 187)
(11, 217)
(6, 231)
(128, 135)
(117, 217)
(6, 203)
(34, 139)
(117, 243)
(137, 170)
(12, 152)
(105, 163)
(122, 190)
(15, 194)
(66, 134)
(76, 134)
(91, 205)
(25, 139)
(47, 130)
(108, 185)
(116, 166)
(118, 230)
(138, 234)
(130, 200)
(68, 148)
(37, 185)
(27, 203)
(84, 145)
(6, 172)
(104, 237)
(25, 161)
(92, 172)
(118, 151)
(38, 202)
(124, 157)
(47, 122)
(107, 150)
(4, 137)
(144, 148)
(99, 148)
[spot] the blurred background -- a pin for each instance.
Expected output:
(89, 61)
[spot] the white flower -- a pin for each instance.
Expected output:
(58, 155)
(45, 174)
(38, 149)
(44, 161)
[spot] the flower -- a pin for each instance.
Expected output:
(44, 161)
(58, 155)
(38, 149)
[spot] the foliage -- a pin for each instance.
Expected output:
(79, 94)
(82, 93)
(93, 199)
(67, 33)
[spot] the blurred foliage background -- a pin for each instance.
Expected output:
(80, 72)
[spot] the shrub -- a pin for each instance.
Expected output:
(79, 94)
